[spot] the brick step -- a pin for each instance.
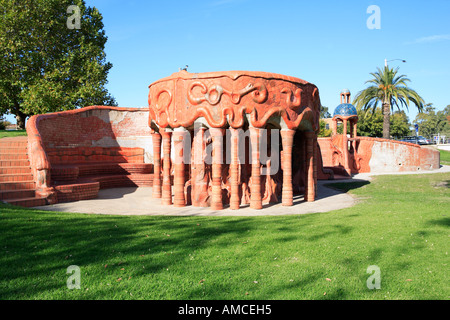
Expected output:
(14, 163)
(341, 177)
(13, 156)
(71, 172)
(16, 194)
(340, 171)
(28, 202)
(4, 186)
(77, 191)
(15, 170)
(18, 150)
(10, 142)
(16, 177)
(118, 181)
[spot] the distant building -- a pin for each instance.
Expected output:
(12, 127)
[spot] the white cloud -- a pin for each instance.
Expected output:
(431, 39)
(219, 3)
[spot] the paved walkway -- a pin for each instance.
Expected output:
(138, 201)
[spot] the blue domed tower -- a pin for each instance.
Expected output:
(345, 113)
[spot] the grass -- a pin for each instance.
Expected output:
(445, 157)
(12, 133)
(401, 225)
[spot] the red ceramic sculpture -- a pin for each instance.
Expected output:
(238, 101)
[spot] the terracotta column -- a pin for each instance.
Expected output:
(217, 160)
(287, 138)
(255, 188)
(199, 177)
(167, 185)
(156, 191)
(344, 129)
(354, 135)
(309, 181)
(235, 200)
(345, 148)
(334, 127)
(316, 156)
(179, 174)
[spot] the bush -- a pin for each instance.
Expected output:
(3, 123)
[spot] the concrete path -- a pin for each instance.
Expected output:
(138, 201)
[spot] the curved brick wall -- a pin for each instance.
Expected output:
(379, 155)
(65, 145)
(388, 156)
(96, 126)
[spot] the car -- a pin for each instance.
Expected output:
(412, 139)
(417, 140)
(423, 140)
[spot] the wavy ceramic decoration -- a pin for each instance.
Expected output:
(233, 100)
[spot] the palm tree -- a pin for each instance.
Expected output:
(390, 90)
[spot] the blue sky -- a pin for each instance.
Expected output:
(326, 43)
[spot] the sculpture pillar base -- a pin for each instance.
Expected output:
(310, 192)
(255, 188)
(217, 160)
(287, 196)
(156, 191)
(179, 199)
(167, 185)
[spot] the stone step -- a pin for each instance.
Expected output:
(4, 186)
(28, 202)
(17, 150)
(13, 156)
(13, 142)
(16, 194)
(15, 170)
(14, 163)
(16, 177)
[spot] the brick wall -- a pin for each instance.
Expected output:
(82, 135)
(380, 155)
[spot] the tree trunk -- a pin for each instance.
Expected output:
(386, 121)
(20, 118)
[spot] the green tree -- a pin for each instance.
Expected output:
(45, 66)
(370, 124)
(431, 122)
(324, 132)
(390, 90)
(3, 123)
(444, 125)
(324, 113)
(400, 125)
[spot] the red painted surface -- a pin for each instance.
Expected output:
(224, 98)
(17, 186)
(377, 155)
(74, 153)
(238, 100)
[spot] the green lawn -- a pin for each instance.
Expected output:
(12, 133)
(445, 157)
(401, 225)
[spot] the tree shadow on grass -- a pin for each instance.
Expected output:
(38, 246)
(150, 256)
(347, 186)
(445, 222)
